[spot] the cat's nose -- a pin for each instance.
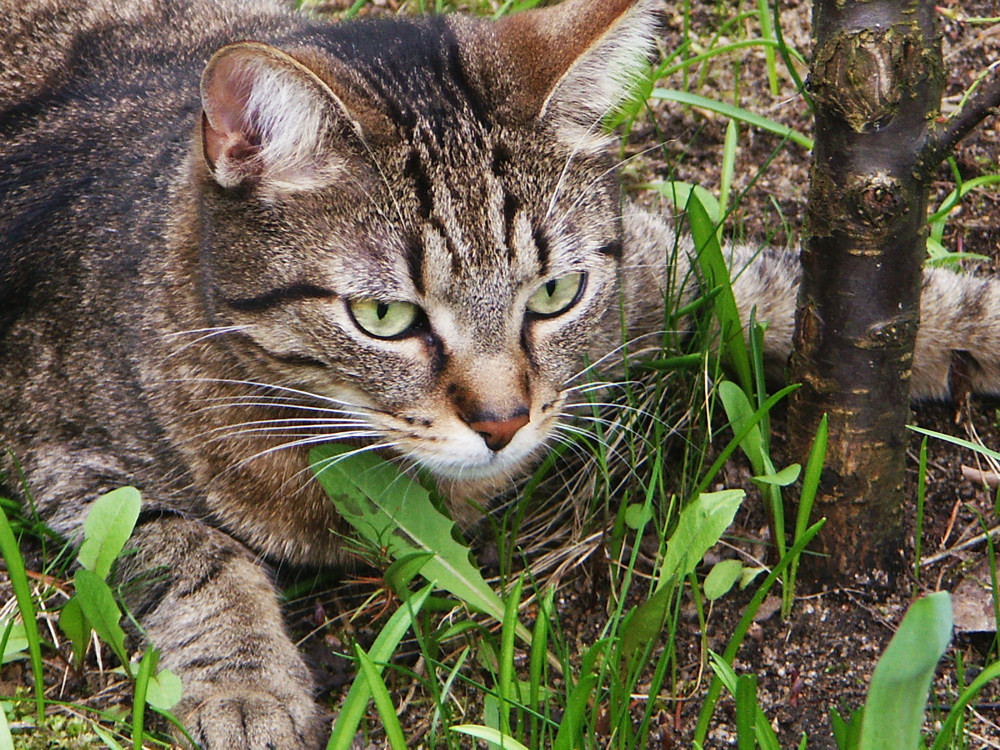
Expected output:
(498, 433)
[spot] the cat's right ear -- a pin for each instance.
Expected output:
(267, 120)
(573, 63)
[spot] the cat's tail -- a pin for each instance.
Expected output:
(958, 342)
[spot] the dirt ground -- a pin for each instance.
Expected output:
(823, 657)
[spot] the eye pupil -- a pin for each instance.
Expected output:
(550, 287)
(381, 309)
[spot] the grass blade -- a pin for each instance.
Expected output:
(737, 113)
(944, 736)
(507, 632)
(536, 663)
(807, 497)
(146, 668)
(383, 703)
(22, 593)
(713, 265)
(746, 711)
(357, 697)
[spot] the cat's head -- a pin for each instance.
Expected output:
(420, 221)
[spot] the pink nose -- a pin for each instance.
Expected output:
(498, 435)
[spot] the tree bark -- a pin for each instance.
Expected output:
(876, 82)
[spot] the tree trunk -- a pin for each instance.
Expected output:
(876, 82)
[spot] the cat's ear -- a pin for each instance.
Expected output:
(267, 120)
(577, 61)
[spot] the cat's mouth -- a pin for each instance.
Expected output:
(466, 455)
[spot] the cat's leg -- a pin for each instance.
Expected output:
(213, 612)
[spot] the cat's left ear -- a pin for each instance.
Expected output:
(575, 62)
(268, 119)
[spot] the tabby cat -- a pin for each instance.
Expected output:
(221, 223)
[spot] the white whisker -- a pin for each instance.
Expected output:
(206, 333)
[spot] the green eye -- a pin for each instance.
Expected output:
(383, 320)
(556, 296)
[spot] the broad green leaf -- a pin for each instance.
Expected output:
(637, 515)
(101, 611)
(747, 576)
(391, 511)
(6, 740)
(644, 623)
(16, 645)
(75, 626)
(164, 690)
(492, 736)
(108, 526)
(356, 703)
(740, 413)
(782, 478)
(721, 578)
(897, 696)
(700, 525)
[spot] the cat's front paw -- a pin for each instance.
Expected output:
(255, 720)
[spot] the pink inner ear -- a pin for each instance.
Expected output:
(227, 130)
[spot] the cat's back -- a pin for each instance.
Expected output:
(50, 46)
(98, 99)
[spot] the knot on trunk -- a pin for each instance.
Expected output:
(863, 75)
(876, 198)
